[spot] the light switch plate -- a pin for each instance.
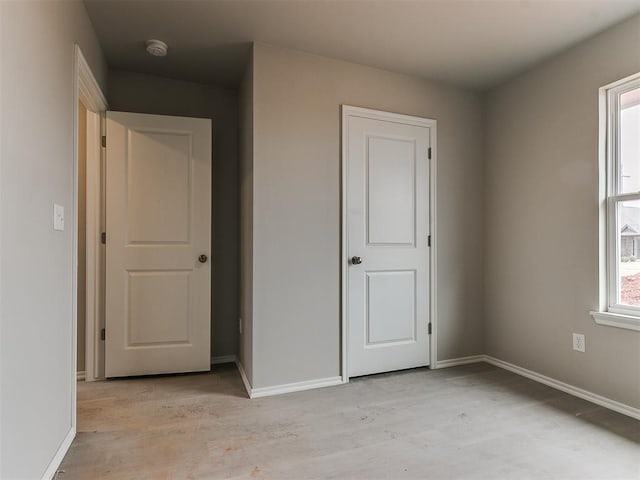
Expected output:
(58, 217)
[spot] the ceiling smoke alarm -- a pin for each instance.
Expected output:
(157, 48)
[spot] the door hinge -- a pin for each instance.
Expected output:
(429, 328)
(103, 333)
(103, 238)
(429, 153)
(429, 241)
(104, 141)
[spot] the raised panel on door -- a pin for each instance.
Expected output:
(387, 227)
(158, 223)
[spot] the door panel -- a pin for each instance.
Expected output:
(391, 295)
(391, 170)
(387, 200)
(158, 221)
(159, 175)
(164, 297)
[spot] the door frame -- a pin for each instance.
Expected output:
(431, 124)
(86, 90)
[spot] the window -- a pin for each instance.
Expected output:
(620, 106)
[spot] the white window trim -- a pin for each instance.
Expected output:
(610, 312)
(630, 322)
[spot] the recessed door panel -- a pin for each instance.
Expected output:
(391, 307)
(391, 185)
(158, 308)
(158, 186)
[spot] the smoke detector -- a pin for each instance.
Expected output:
(157, 48)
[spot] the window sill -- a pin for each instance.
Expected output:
(618, 320)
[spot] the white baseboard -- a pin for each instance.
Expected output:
(454, 362)
(538, 377)
(565, 387)
(81, 376)
(295, 387)
(243, 375)
(223, 359)
(286, 388)
(51, 470)
(551, 382)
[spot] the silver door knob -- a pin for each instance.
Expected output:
(356, 260)
(202, 258)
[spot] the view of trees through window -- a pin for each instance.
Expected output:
(629, 211)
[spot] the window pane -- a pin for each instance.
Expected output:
(629, 252)
(630, 141)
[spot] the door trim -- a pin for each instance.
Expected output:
(86, 90)
(95, 250)
(351, 111)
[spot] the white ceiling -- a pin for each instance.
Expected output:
(471, 43)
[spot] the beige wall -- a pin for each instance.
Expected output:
(542, 219)
(296, 207)
(133, 92)
(36, 171)
(245, 98)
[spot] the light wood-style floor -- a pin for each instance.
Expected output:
(472, 422)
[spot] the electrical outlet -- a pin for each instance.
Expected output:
(578, 342)
(240, 325)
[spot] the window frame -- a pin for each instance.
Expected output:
(611, 311)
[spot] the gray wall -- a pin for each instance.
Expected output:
(36, 170)
(296, 208)
(133, 92)
(542, 219)
(245, 98)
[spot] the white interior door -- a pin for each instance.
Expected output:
(387, 229)
(158, 222)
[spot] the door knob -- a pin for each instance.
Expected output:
(356, 260)
(202, 258)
